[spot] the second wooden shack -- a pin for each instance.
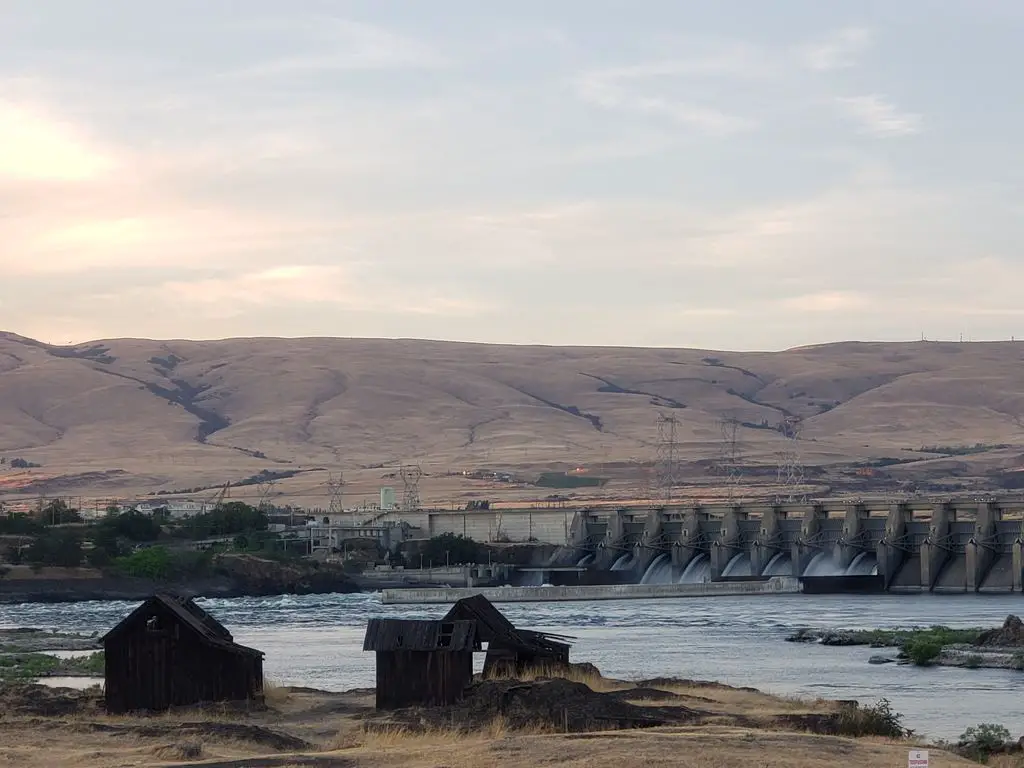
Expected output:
(421, 663)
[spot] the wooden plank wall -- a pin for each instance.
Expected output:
(428, 678)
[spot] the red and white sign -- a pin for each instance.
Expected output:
(918, 758)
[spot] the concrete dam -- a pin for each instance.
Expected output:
(951, 546)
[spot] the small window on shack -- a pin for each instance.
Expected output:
(153, 624)
(444, 638)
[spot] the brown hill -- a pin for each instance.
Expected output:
(172, 414)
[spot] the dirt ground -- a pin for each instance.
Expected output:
(513, 723)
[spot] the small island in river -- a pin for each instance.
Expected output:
(999, 648)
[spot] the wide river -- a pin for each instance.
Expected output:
(317, 641)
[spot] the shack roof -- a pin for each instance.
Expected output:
(415, 635)
(203, 625)
(492, 626)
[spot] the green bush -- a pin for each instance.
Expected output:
(980, 741)
(1017, 661)
(972, 661)
(923, 652)
(878, 719)
(150, 563)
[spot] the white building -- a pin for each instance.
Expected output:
(177, 508)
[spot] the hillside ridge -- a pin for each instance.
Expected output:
(165, 412)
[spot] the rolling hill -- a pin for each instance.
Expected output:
(140, 415)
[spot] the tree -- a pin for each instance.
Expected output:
(226, 520)
(58, 512)
(98, 557)
(62, 549)
(449, 548)
(150, 563)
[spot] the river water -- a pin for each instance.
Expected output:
(316, 641)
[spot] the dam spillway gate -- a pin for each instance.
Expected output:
(952, 546)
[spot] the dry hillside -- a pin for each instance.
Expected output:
(172, 414)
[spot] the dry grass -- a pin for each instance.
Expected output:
(308, 401)
(679, 747)
(736, 701)
(275, 695)
(593, 680)
(90, 742)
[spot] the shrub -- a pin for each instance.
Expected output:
(982, 740)
(1017, 661)
(923, 652)
(972, 661)
(150, 563)
(878, 719)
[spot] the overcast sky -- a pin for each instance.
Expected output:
(731, 175)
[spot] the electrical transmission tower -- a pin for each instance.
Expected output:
(730, 461)
(266, 490)
(335, 494)
(666, 463)
(791, 471)
(411, 481)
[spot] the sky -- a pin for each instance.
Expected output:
(729, 175)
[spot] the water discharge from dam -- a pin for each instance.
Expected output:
(865, 564)
(780, 565)
(624, 563)
(698, 571)
(823, 564)
(586, 560)
(739, 565)
(659, 571)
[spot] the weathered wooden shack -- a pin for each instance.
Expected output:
(170, 652)
(425, 663)
(509, 650)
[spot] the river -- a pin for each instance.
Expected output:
(316, 641)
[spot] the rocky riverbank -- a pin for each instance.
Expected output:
(231, 575)
(1000, 648)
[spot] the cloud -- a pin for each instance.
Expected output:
(297, 285)
(825, 301)
(837, 51)
(648, 88)
(878, 116)
(342, 45)
(36, 147)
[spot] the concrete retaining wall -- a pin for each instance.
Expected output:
(777, 585)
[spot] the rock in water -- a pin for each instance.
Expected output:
(1010, 635)
(881, 660)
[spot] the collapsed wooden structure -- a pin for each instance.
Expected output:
(170, 652)
(509, 650)
(430, 663)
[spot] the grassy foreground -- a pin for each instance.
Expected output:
(724, 726)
